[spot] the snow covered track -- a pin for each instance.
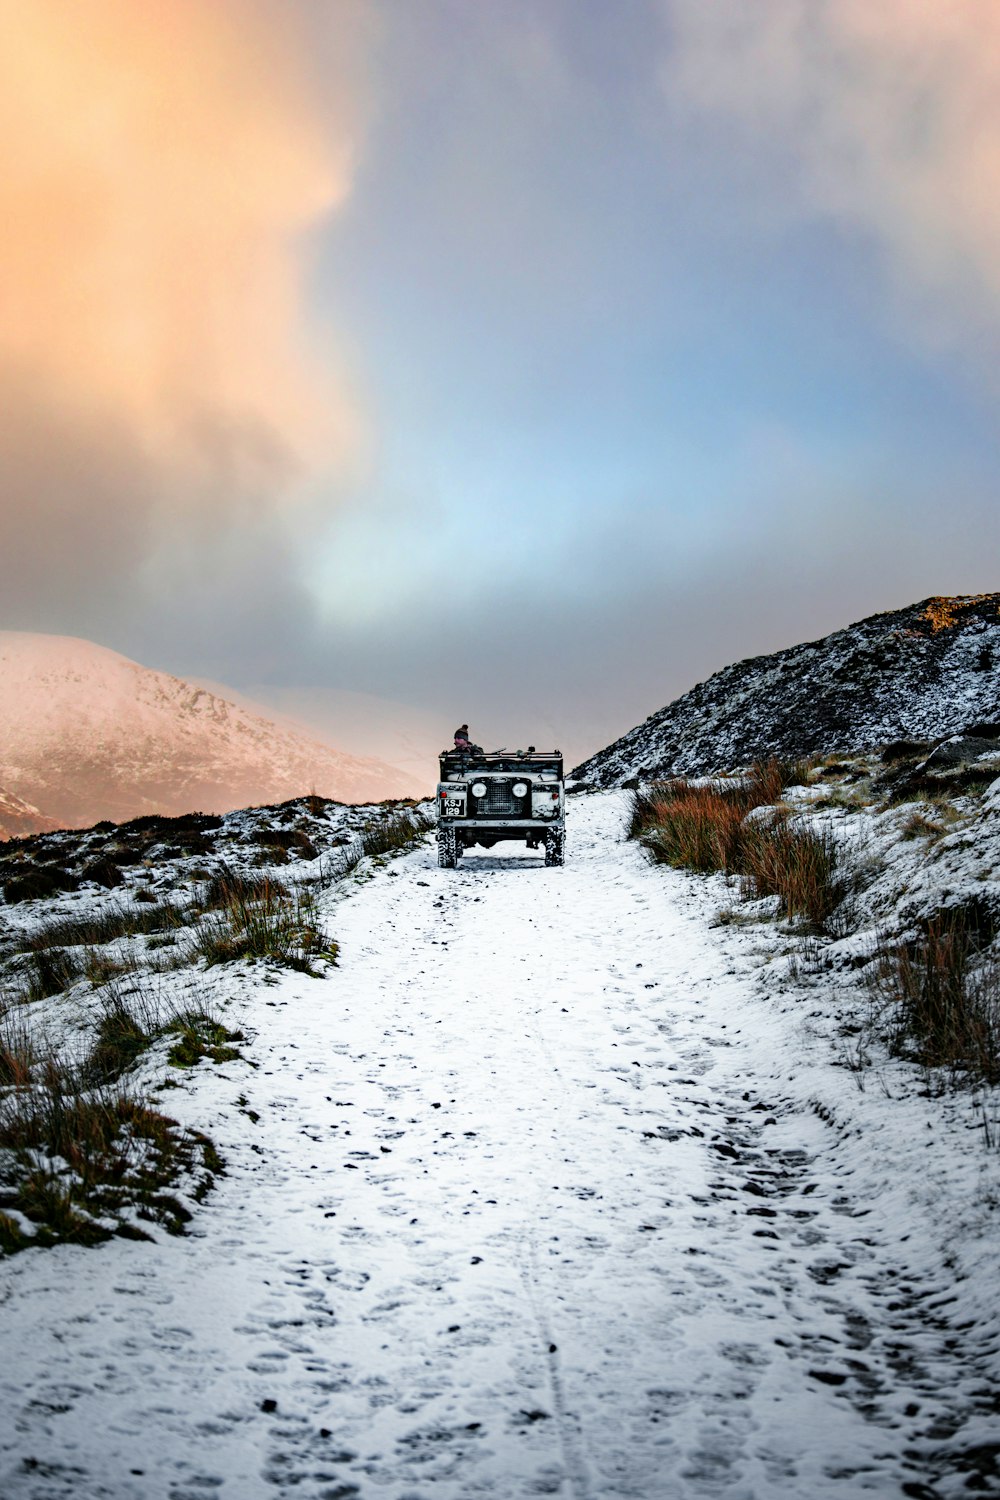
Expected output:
(540, 1200)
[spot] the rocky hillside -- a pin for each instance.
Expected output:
(86, 734)
(923, 672)
(151, 858)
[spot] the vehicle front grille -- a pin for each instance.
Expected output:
(499, 799)
(500, 802)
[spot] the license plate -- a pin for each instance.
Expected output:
(453, 807)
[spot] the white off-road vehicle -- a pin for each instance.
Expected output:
(504, 794)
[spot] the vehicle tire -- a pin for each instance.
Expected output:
(555, 846)
(447, 848)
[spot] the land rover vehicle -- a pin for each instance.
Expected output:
(483, 798)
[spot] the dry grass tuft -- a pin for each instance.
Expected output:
(393, 833)
(706, 827)
(794, 863)
(919, 826)
(127, 1026)
(227, 887)
(83, 1163)
(49, 972)
(937, 1000)
(263, 919)
(693, 827)
(18, 1055)
(698, 825)
(107, 927)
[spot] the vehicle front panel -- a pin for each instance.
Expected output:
(498, 803)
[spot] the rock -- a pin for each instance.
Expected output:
(959, 750)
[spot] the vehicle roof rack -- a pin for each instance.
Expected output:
(501, 755)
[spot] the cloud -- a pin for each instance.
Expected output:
(162, 163)
(884, 117)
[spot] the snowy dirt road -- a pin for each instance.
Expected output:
(530, 1197)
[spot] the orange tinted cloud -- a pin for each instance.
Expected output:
(890, 115)
(161, 162)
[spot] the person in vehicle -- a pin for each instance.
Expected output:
(463, 744)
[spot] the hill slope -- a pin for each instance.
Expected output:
(928, 670)
(86, 734)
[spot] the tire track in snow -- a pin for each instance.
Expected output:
(570, 1440)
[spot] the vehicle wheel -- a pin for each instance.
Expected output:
(555, 846)
(447, 848)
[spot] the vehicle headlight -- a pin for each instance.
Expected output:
(520, 788)
(479, 789)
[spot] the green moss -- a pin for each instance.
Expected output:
(200, 1036)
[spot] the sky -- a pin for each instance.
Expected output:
(518, 362)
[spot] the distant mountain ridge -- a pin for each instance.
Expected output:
(87, 734)
(928, 670)
(18, 817)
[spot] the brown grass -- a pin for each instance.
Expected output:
(795, 864)
(705, 827)
(263, 919)
(83, 1163)
(917, 826)
(17, 1053)
(937, 1000)
(698, 825)
(394, 833)
(942, 611)
(228, 888)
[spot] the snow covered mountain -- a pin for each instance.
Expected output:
(929, 670)
(86, 734)
(18, 817)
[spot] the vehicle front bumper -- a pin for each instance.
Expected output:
(486, 824)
